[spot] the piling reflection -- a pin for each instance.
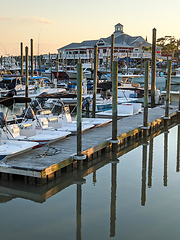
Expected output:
(11, 190)
(178, 149)
(144, 164)
(113, 194)
(165, 158)
(78, 210)
(150, 164)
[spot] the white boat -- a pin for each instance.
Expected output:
(123, 110)
(32, 131)
(11, 148)
(72, 73)
(62, 122)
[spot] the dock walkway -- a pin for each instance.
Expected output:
(37, 167)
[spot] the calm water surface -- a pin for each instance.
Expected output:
(137, 198)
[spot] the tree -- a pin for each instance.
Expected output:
(170, 45)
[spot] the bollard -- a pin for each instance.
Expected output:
(146, 91)
(168, 83)
(153, 73)
(79, 155)
(95, 81)
(22, 72)
(27, 75)
(32, 58)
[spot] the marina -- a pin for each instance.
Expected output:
(89, 134)
(39, 168)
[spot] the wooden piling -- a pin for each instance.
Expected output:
(1, 60)
(22, 71)
(114, 104)
(146, 91)
(168, 83)
(32, 59)
(153, 67)
(112, 51)
(57, 67)
(127, 61)
(95, 81)
(27, 75)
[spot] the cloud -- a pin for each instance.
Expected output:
(4, 18)
(43, 20)
(38, 19)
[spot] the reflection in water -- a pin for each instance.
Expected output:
(94, 178)
(165, 157)
(113, 198)
(150, 165)
(178, 149)
(144, 164)
(78, 213)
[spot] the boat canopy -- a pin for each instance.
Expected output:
(57, 95)
(12, 100)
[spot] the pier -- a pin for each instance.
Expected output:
(43, 165)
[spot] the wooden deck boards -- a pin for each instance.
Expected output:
(36, 164)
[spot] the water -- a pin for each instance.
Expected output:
(160, 82)
(137, 198)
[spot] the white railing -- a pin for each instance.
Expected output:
(104, 55)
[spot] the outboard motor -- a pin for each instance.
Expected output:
(86, 104)
(3, 119)
(27, 113)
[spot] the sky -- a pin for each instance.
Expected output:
(55, 23)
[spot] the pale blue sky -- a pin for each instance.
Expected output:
(56, 23)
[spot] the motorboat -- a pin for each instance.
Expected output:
(62, 122)
(10, 148)
(123, 110)
(31, 131)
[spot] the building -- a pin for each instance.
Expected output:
(135, 47)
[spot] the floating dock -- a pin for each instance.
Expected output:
(42, 165)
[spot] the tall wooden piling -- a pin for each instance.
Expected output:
(32, 59)
(57, 67)
(95, 81)
(146, 95)
(168, 83)
(153, 67)
(22, 71)
(127, 61)
(79, 157)
(141, 66)
(112, 51)
(1, 60)
(114, 102)
(27, 75)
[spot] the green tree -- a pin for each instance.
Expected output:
(170, 45)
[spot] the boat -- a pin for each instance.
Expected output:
(10, 148)
(31, 131)
(62, 122)
(123, 110)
